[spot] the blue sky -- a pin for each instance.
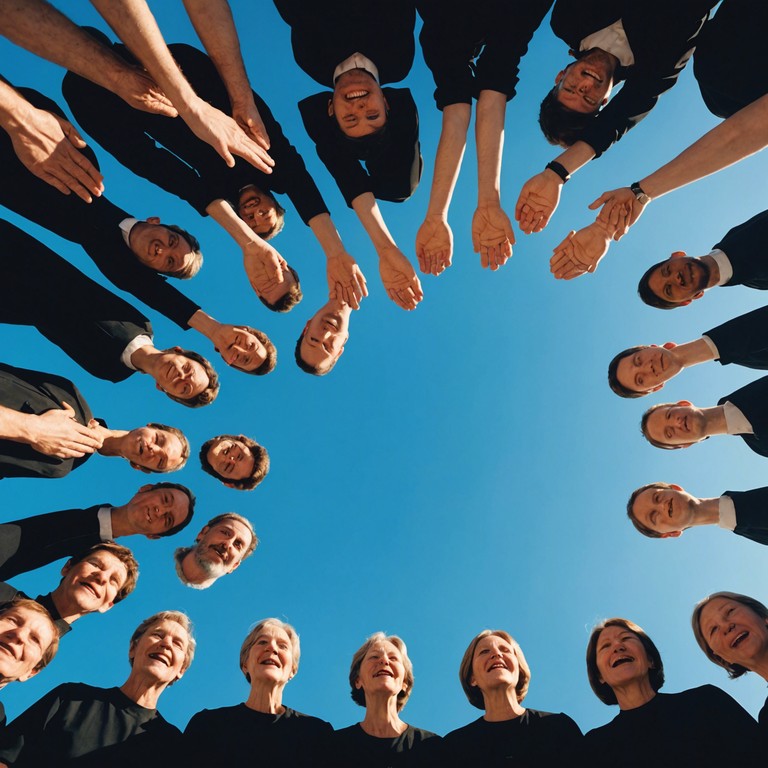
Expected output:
(465, 465)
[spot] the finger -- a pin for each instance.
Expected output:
(604, 198)
(54, 182)
(484, 257)
(423, 260)
(84, 171)
(350, 297)
(519, 205)
(509, 233)
(416, 290)
(395, 296)
(71, 132)
(68, 408)
(363, 284)
(475, 241)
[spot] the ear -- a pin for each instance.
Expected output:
(676, 487)
(141, 469)
(27, 676)
(604, 101)
(66, 567)
(105, 608)
(684, 402)
(202, 533)
(655, 389)
(330, 107)
(157, 386)
(341, 352)
(473, 682)
(229, 485)
(358, 684)
(696, 296)
(678, 255)
(671, 535)
(559, 76)
(669, 345)
(153, 220)
(146, 487)
(235, 566)
(152, 536)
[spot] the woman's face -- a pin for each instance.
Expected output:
(270, 659)
(161, 651)
(734, 631)
(382, 670)
(494, 664)
(621, 657)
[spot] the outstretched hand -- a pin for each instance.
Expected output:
(399, 278)
(492, 236)
(247, 116)
(346, 281)
(620, 210)
(140, 91)
(537, 202)
(580, 252)
(57, 433)
(262, 266)
(434, 245)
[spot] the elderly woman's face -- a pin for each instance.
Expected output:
(734, 631)
(161, 651)
(270, 659)
(621, 657)
(382, 670)
(494, 664)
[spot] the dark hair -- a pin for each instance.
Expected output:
(279, 222)
(193, 267)
(123, 554)
(648, 296)
(182, 439)
(190, 496)
(602, 690)
(270, 361)
(561, 126)
(260, 462)
(289, 300)
(304, 365)
(208, 395)
(644, 529)
(644, 428)
(613, 381)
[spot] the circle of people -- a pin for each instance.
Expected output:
(227, 157)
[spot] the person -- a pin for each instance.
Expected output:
(704, 725)
(191, 170)
(638, 371)
(262, 727)
(681, 424)
(732, 630)
(473, 55)
(30, 637)
(495, 677)
(47, 430)
(322, 341)
(665, 510)
(735, 260)
(235, 460)
(611, 41)
(381, 680)
(353, 50)
(80, 724)
(93, 579)
(223, 543)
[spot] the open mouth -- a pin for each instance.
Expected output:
(163, 658)
(622, 660)
(90, 588)
(270, 663)
(9, 649)
(739, 639)
(384, 673)
(352, 95)
(591, 73)
(497, 665)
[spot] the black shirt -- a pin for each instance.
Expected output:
(353, 748)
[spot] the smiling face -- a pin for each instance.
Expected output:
(585, 85)
(680, 279)
(231, 459)
(180, 376)
(647, 369)
(153, 449)
(25, 635)
(246, 352)
(220, 548)
(668, 511)
(358, 104)
(494, 664)
(382, 671)
(158, 247)
(92, 584)
(325, 336)
(153, 511)
(270, 659)
(676, 426)
(161, 652)
(258, 210)
(734, 632)
(621, 657)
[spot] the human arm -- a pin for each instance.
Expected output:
(213, 22)
(48, 145)
(434, 240)
(397, 273)
(345, 278)
(581, 251)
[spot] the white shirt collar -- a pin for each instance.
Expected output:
(126, 225)
(356, 61)
(736, 422)
(723, 265)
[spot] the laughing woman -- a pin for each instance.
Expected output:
(495, 676)
(381, 677)
(701, 726)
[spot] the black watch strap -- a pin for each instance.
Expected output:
(638, 192)
(559, 169)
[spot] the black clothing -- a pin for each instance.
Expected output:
(702, 726)
(662, 38)
(752, 401)
(540, 739)
(352, 747)
(751, 514)
(37, 392)
(472, 52)
(744, 245)
(184, 165)
(743, 340)
(240, 736)
(79, 724)
(95, 226)
(728, 63)
(90, 324)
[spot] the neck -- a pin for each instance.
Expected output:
(381, 717)
(693, 353)
(706, 512)
(146, 359)
(715, 418)
(143, 691)
(66, 609)
(120, 522)
(714, 270)
(501, 704)
(635, 694)
(113, 443)
(761, 666)
(266, 698)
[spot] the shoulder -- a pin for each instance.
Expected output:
(210, 718)
(307, 722)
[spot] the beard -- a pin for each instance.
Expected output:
(211, 567)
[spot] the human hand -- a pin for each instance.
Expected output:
(247, 116)
(492, 236)
(225, 136)
(538, 200)
(620, 210)
(57, 433)
(434, 245)
(346, 281)
(263, 266)
(135, 87)
(399, 278)
(47, 145)
(580, 252)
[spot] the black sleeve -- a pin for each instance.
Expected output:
(21, 743)
(743, 340)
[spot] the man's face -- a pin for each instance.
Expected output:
(246, 352)
(325, 336)
(161, 652)
(25, 636)
(231, 459)
(180, 376)
(668, 511)
(680, 279)
(158, 247)
(93, 583)
(647, 369)
(257, 209)
(678, 425)
(153, 511)
(358, 104)
(219, 549)
(584, 86)
(153, 449)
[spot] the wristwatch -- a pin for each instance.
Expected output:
(637, 191)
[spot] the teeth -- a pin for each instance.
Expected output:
(356, 94)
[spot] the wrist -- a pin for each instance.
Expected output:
(558, 170)
(640, 194)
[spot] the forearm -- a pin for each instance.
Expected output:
(370, 217)
(450, 152)
(575, 157)
(204, 323)
(326, 234)
(14, 109)
(734, 139)
(223, 213)
(16, 426)
(489, 136)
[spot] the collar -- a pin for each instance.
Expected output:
(356, 61)
(736, 421)
(126, 225)
(723, 265)
(612, 39)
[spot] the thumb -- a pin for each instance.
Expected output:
(71, 132)
(604, 198)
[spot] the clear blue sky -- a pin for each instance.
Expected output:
(465, 465)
